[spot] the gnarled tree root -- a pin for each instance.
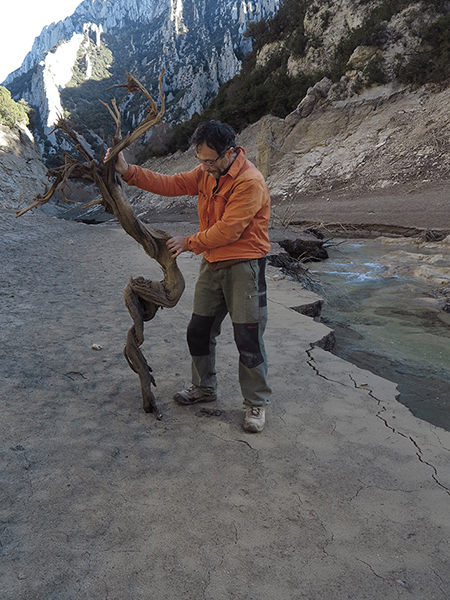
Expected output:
(142, 297)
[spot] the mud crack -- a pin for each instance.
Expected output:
(311, 362)
(419, 452)
(365, 387)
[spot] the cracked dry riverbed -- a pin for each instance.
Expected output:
(382, 414)
(344, 494)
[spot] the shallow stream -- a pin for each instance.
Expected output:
(381, 300)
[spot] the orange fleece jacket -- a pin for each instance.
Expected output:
(234, 212)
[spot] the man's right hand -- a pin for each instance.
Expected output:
(121, 164)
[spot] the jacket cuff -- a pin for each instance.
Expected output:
(190, 244)
(129, 174)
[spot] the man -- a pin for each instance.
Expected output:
(234, 210)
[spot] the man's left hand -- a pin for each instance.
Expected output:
(176, 245)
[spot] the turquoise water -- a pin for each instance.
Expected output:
(390, 324)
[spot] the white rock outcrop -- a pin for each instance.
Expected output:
(386, 136)
(22, 172)
(200, 44)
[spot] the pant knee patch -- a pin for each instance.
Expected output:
(246, 336)
(198, 335)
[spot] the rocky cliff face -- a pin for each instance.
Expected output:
(327, 24)
(387, 139)
(22, 173)
(386, 136)
(199, 43)
(341, 134)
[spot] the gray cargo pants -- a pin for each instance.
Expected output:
(241, 291)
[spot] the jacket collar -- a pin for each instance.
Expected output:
(238, 163)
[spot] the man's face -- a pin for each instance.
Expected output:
(212, 163)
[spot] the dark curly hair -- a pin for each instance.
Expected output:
(218, 136)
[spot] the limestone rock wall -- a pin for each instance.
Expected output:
(386, 136)
(199, 43)
(22, 173)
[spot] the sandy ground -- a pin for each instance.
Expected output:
(345, 495)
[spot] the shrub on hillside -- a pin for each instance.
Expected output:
(12, 112)
(288, 21)
(431, 63)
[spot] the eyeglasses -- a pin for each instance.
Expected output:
(209, 163)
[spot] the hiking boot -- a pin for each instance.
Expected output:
(194, 394)
(255, 418)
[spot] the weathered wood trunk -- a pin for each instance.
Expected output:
(143, 297)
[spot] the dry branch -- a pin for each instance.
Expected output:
(142, 297)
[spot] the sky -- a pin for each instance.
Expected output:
(22, 21)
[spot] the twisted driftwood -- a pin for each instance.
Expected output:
(142, 297)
